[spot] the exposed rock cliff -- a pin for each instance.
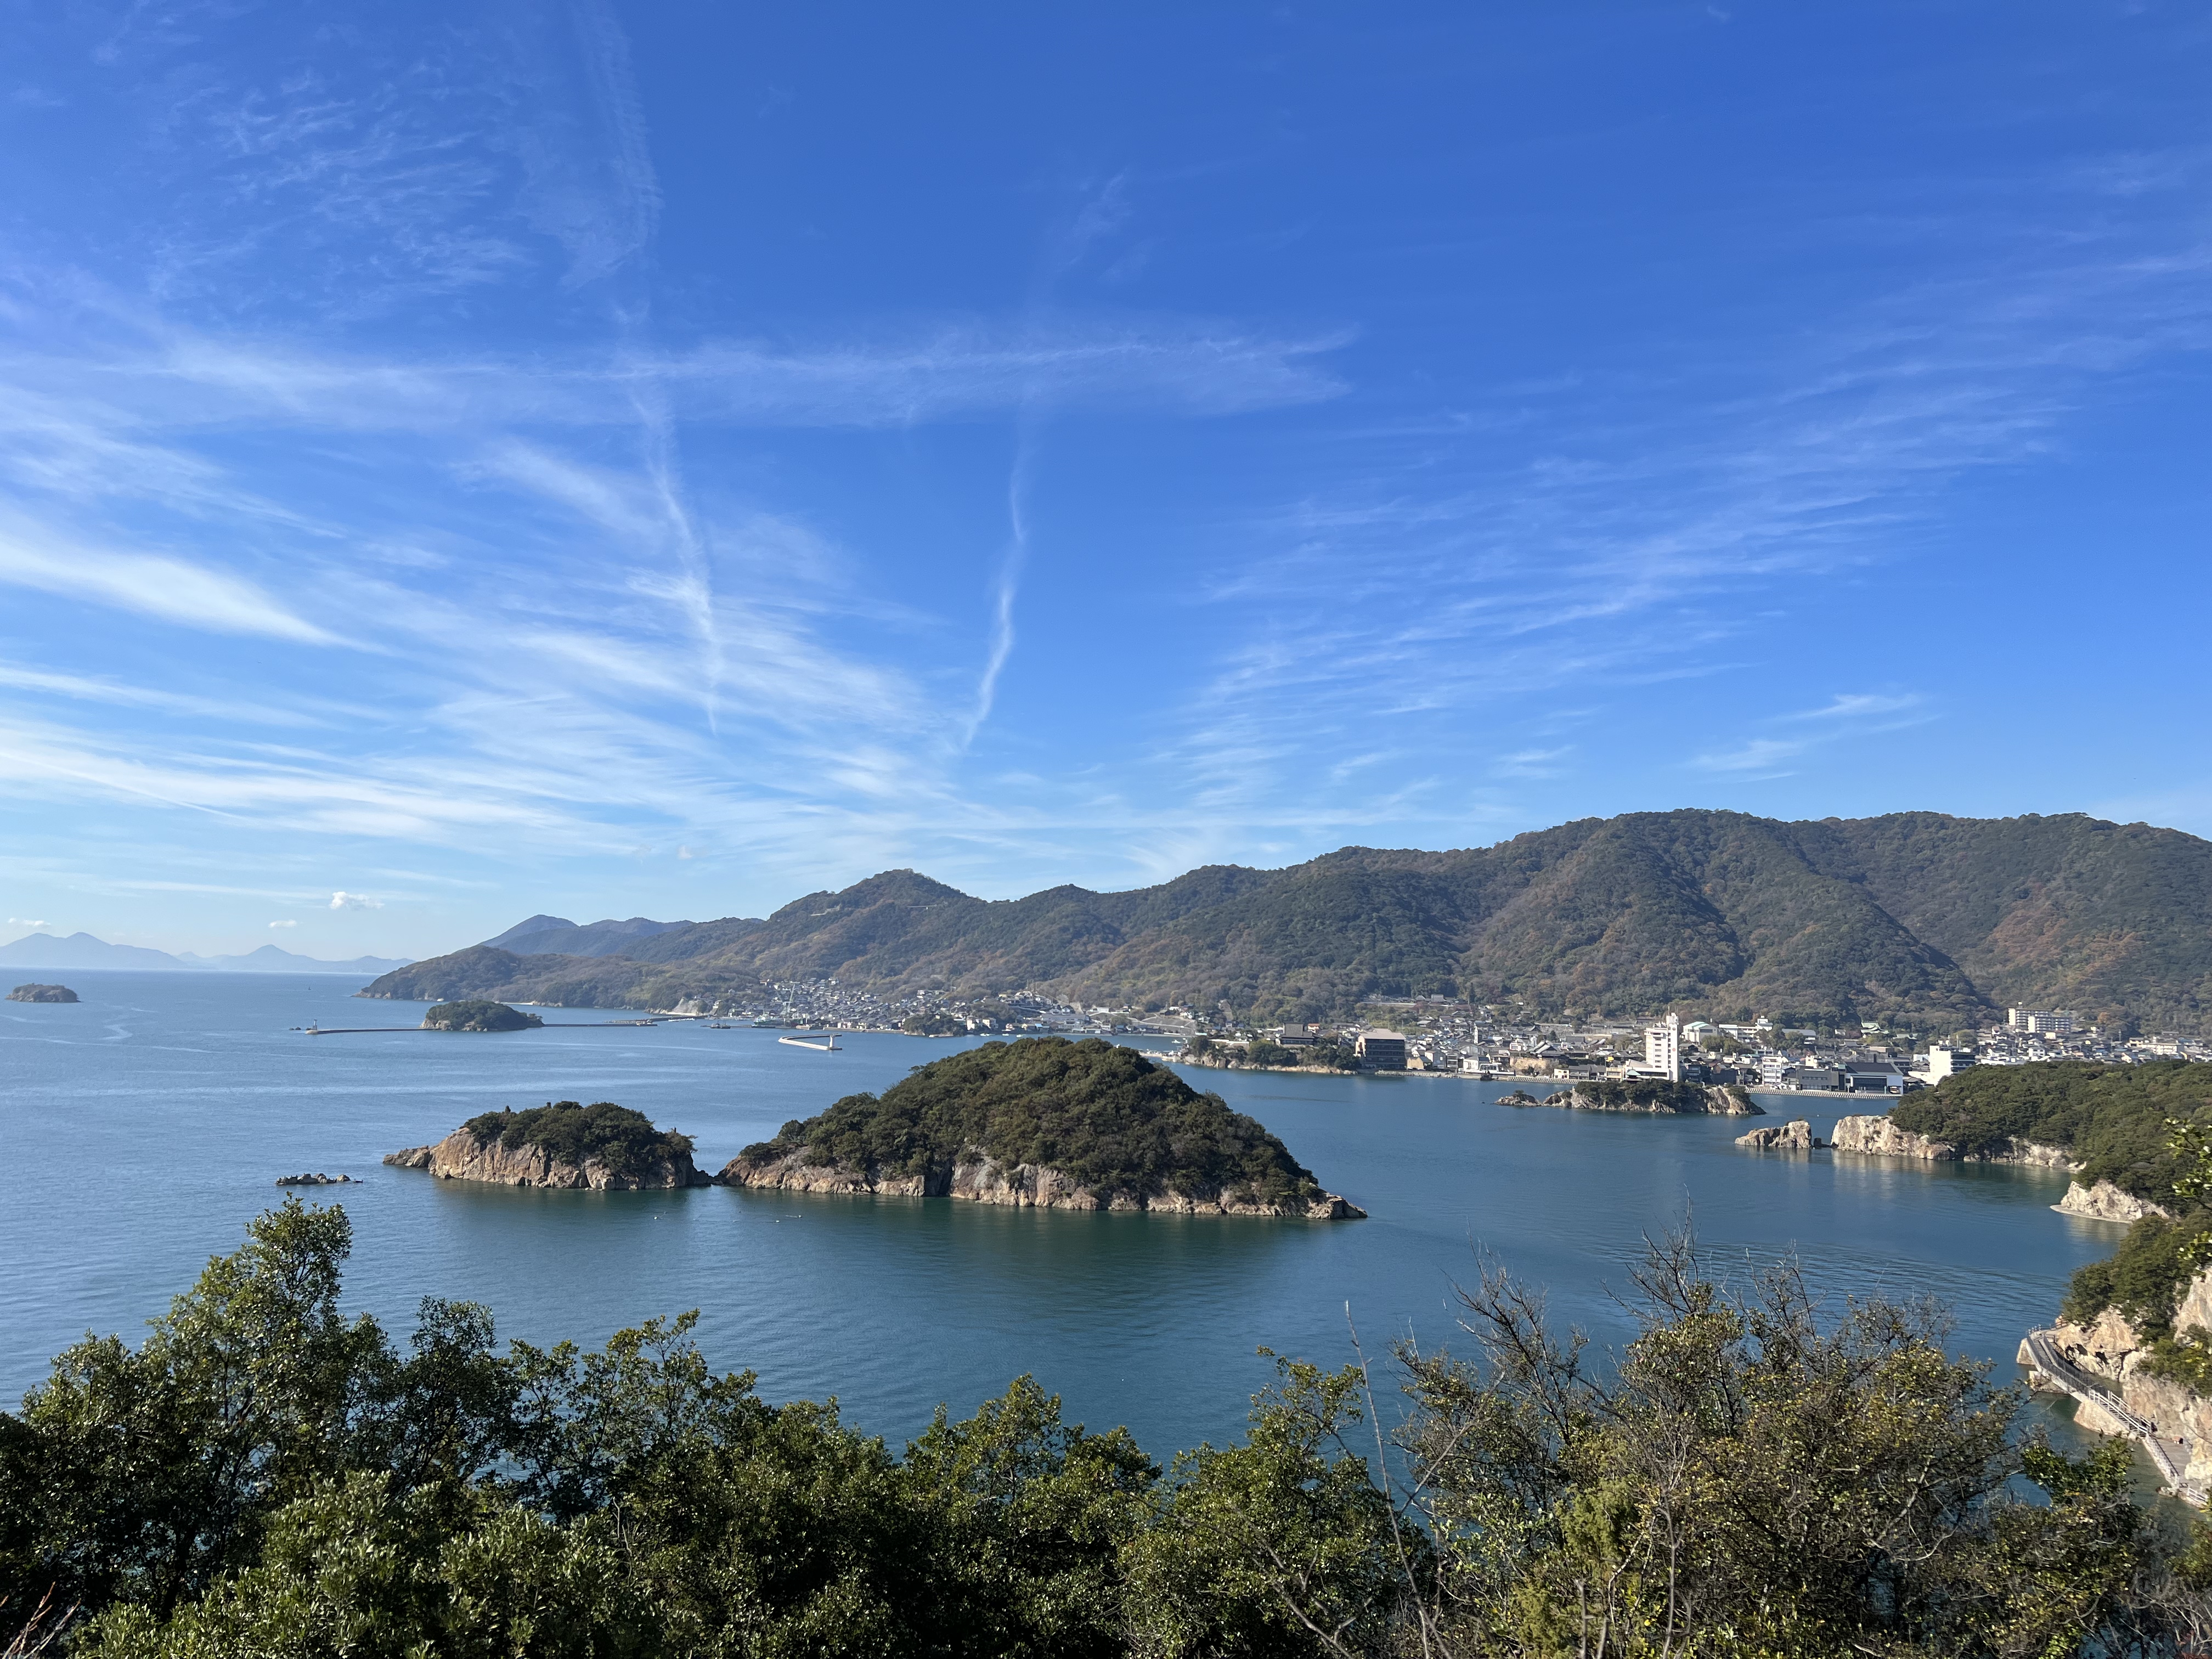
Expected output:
(976, 1177)
(2106, 1202)
(462, 1157)
(1794, 1136)
(2111, 1351)
(1875, 1135)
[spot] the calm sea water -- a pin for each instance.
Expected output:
(141, 1128)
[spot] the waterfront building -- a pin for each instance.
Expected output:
(1384, 1050)
(1944, 1061)
(1662, 1047)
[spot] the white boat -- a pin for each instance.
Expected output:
(828, 1047)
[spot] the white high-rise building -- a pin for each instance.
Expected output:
(1662, 1047)
(2041, 1022)
(1944, 1061)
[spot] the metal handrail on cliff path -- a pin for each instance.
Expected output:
(2073, 1381)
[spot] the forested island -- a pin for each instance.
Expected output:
(1047, 1122)
(1651, 1095)
(42, 994)
(477, 1014)
(267, 1475)
(560, 1143)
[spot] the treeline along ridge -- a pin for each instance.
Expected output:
(1914, 914)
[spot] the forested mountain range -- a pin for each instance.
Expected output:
(1910, 914)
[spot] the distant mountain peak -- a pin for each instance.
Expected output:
(1940, 918)
(82, 950)
(543, 935)
(537, 924)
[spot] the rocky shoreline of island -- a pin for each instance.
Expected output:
(1124, 1134)
(1873, 1135)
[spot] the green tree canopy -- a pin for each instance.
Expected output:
(264, 1478)
(1102, 1114)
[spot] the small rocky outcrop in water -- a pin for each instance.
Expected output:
(1794, 1136)
(1656, 1095)
(1876, 1136)
(1047, 1123)
(478, 1015)
(42, 994)
(601, 1148)
(315, 1181)
(2103, 1201)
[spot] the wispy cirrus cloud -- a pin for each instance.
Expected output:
(1847, 714)
(1613, 529)
(1860, 705)
(170, 589)
(160, 376)
(1762, 755)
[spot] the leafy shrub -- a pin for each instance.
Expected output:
(1338, 1056)
(266, 1478)
(2144, 1278)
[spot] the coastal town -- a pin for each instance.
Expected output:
(1438, 1035)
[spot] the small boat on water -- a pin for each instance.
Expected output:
(828, 1045)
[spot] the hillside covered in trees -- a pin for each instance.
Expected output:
(2118, 1122)
(1912, 914)
(1100, 1114)
(263, 1475)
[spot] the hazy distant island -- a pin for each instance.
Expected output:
(1047, 1122)
(479, 1015)
(560, 1143)
(83, 950)
(42, 994)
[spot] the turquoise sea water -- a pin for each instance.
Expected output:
(142, 1127)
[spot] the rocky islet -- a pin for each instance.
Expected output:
(603, 1148)
(977, 1178)
(42, 994)
(1794, 1136)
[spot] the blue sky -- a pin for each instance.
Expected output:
(464, 459)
